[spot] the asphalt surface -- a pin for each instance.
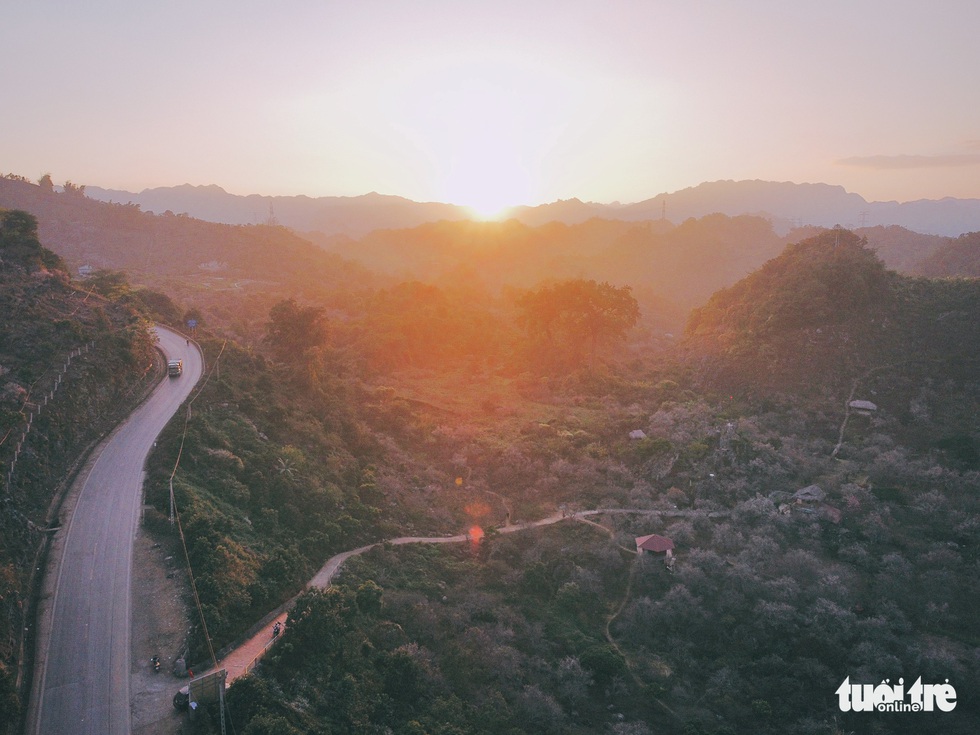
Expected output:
(82, 667)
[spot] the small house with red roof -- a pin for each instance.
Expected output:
(654, 544)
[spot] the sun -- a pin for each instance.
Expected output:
(488, 179)
(478, 127)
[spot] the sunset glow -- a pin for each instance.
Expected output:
(489, 105)
(483, 124)
(484, 184)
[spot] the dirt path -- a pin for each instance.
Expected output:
(244, 656)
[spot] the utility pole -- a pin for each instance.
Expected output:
(221, 703)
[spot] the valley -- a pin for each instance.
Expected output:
(465, 380)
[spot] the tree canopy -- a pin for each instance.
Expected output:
(571, 319)
(19, 243)
(823, 280)
(294, 330)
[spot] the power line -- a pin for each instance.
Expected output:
(175, 517)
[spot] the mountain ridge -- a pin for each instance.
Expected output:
(785, 204)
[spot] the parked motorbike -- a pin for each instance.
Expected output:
(155, 663)
(182, 699)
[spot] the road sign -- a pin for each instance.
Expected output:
(209, 687)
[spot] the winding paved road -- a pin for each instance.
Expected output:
(81, 678)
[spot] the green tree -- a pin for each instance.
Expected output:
(19, 243)
(111, 284)
(9, 704)
(269, 724)
(158, 305)
(294, 331)
(74, 190)
(572, 319)
(368, 598)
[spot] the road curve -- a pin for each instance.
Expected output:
(81, 675)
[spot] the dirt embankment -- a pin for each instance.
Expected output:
(159, 628)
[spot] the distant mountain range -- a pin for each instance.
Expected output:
(157, 249)
(672, 268)
(786, 205)
(351, 216)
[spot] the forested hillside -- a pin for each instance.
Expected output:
(900, 249)
(827, 312)
(232, 275)
(71, 362)
(173, 249)
(959, 257)
(338, 414)
(683, 264)
(667, 265)
(771, 601)
(274, 477)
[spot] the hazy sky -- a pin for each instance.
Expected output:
(493, 103)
